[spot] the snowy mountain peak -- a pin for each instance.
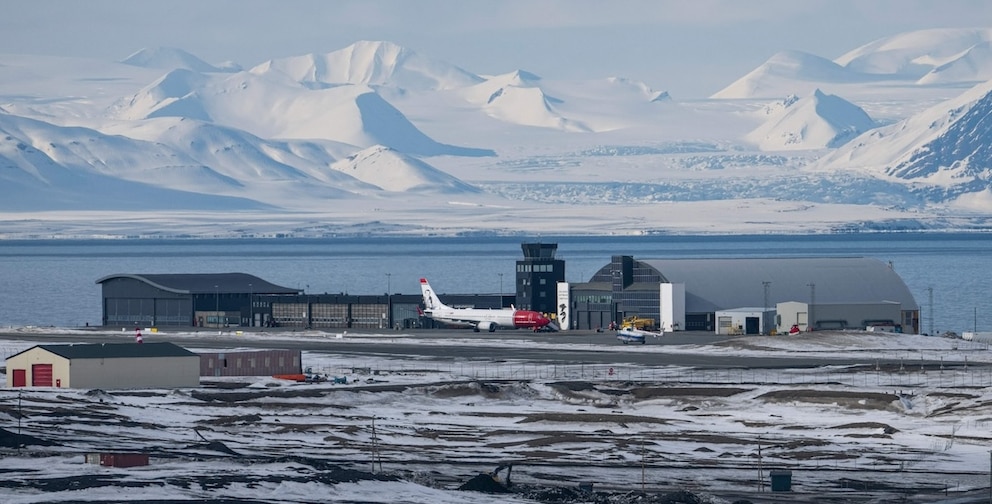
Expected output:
(523, 76)
(168, 58)
(926, 57)
(813, 122)
(913, 54)
(780, 71)
(947, 147)
(963, 145)
(169, 95)
(660, 96)
(374, 64)
(394, 171)
(973, 64)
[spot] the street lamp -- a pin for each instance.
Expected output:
(500, 289)
(389, 302)
(309, 309)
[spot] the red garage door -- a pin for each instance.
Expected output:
(20, 377)
(41, 375)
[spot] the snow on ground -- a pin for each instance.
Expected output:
(912, 429)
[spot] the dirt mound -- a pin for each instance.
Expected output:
(216, 446)
(484, 483)
(233, 420)
(13, 440)
(849, 399)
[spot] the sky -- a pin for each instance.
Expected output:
(691, 49)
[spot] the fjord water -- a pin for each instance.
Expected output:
(53, 282)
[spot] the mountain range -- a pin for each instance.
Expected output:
(376, 138)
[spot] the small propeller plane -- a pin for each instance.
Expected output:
(634, 335)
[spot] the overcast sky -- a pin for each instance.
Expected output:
(691, 48)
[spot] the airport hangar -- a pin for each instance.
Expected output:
(746, 295)
(219, 300)
(243, 300)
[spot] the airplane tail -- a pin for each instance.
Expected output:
(431, 301)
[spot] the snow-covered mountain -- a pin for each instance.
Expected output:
(376, 136)
(171, 58)
(394, 171)
(782, 70)
(913, 59)
(945, 150)
(282, 108)
(972, 64)
(912, 55)
(814, 122)
(45, 168)
(518, 98)
(372, 64)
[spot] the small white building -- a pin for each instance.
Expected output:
(104, 366)
(745, 321)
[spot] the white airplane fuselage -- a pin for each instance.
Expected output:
(480, 319)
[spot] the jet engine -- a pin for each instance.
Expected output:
(486, 326)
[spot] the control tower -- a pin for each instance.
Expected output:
(538, 275)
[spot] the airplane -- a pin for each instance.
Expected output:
(477, 318)
(634, 335)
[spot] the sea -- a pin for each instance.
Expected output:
(54, 282)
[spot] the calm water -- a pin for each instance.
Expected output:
(54, 282)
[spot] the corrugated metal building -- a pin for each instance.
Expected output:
(628, 286)
(195, 299)
(251, 363)
(105, 366)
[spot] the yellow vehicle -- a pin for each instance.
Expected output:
(635, 322)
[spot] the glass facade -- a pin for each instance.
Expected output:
(634, 289)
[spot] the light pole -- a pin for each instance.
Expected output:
(767, 288)
(217, 305)
(251, 305)
(309, 309)
(812, 301)
(388, 317)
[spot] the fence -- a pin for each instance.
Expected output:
(905, 377)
